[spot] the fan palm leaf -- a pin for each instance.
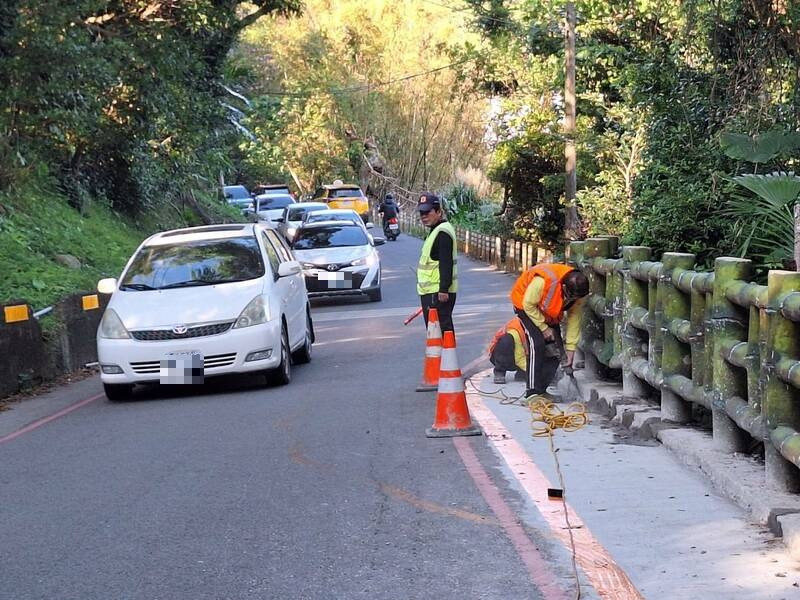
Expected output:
(765, 220)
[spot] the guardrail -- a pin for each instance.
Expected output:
(700, 338)
(510, 255)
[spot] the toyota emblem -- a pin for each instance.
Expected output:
(331, 267)
(180, 329)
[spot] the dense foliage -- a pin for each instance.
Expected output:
(658, 84)
(121, 99)
(350, 84)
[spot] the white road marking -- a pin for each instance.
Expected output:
(377, 313)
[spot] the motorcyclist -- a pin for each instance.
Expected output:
(389, 209)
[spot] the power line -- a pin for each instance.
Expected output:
(368, 86)
(477, 12)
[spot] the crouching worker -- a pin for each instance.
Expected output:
(508, 351)
(542, 296)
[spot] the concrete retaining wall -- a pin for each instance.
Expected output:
(27, 357)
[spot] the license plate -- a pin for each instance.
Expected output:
(180, 368)
(394, 226)
(337, 281)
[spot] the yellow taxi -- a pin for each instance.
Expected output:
(344, 195)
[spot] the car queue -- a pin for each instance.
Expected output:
(229, 299)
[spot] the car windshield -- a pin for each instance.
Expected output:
(236, 192)
(196, 263)
(333, 236)
(269, 202)
(331, 217)
(296, 213)
(272, 191)
(346, 193)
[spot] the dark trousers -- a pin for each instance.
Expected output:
(445, 310)
(543, 357)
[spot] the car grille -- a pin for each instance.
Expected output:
(331, 267)
(157, 335)
(315, 285)
(153, 367)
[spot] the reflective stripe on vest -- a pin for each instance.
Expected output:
(428, 269)
(551, 302)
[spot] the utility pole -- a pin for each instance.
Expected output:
(572, 221)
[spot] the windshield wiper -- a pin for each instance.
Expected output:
(196, 282)
(138, 287)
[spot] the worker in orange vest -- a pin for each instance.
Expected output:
(541, 296)
(508, 351)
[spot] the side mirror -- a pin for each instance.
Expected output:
(370, 224)
(107, 286)
(378, 241)
(289, 268)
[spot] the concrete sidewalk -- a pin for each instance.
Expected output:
(661, 523)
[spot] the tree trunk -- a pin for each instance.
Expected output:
(572, 224)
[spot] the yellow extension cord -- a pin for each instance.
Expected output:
(546, 417)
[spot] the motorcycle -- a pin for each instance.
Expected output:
(391, 228)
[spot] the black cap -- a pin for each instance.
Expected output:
(428, 202)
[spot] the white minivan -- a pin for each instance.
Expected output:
(204, 301)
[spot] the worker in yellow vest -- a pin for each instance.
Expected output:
(437, 273)
(541, 296)
(508, 351)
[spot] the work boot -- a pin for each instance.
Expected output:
(499, 376)
(531, 397)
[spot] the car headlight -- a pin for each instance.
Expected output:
(369, 259)
(111, 326)
(255, 313)
(307, 266)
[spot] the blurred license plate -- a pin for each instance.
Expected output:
(394, 226)
(341, 280)
(181, 368)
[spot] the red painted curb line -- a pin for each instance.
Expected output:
(44, 420)
(540, 572)
(605, 575)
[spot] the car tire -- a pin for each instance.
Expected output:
(302, 355)
(118, 392)
(282, 374)
(374, 295)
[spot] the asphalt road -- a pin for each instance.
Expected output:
(326, 488)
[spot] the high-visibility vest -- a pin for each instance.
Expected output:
(551, 303)
(428, 269)
(517, 333)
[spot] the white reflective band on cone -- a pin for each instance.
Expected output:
(433, 351)
(434, 330)
(451, 385)
(449, 360)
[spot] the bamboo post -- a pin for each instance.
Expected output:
(634, 295)
(675, 356)
(592, 327)
(577, 259)
(781, 400)
(728, 322)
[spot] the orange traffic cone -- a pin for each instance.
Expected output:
(433, 354)
(452, 414)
